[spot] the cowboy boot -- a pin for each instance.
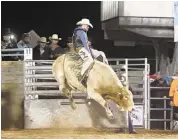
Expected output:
(84, 77)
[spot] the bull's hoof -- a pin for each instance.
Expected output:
(121, 130)
(132, 132)
(73, 106)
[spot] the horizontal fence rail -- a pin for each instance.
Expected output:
(26, 53)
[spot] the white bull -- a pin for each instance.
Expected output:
(102, 83)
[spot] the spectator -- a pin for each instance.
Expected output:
(9, 39)
(159, 82)
(25, 41)
(9, 42)
(173, 94)
(41, 51)
(55, 49)
(70, 47)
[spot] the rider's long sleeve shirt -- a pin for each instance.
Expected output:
(83, 37)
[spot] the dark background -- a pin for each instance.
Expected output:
(47, 18)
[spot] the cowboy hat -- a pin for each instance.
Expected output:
(42, 40)
(6, 31)
(54, 37)
(85, 21)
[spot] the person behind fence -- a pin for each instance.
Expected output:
(55, 49)
(25, 41)
(9, 39)
(173, 94)
(9, 42)
(99, 55)
(69, 47)
(80, 44)
(41, 51)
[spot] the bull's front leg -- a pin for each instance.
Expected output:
(63, 88)
(115, 100)
(97, 97)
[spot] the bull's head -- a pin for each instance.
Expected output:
(125, 100)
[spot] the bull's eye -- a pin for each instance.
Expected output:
(125, 98)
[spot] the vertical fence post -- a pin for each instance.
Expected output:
(148, 102)
(126, 72)
(146, 94)
(165, 122)
(28, 55)
(127, 86)
(171, 117)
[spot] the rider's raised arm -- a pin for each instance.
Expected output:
(83, 38)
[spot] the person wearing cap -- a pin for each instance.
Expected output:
(25, 41)
(9, 40)
(41, 51)
(80, 44)
(55, 49)
(69, 47)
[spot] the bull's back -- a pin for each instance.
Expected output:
(103, 76)
(105, 70)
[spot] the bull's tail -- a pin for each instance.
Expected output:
(54, 68)
(64, 63)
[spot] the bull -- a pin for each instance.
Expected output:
(102, 83)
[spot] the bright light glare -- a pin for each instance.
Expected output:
(12, 36)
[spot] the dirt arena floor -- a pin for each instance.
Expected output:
(86, 134)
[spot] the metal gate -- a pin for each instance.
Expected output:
(134, 73)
